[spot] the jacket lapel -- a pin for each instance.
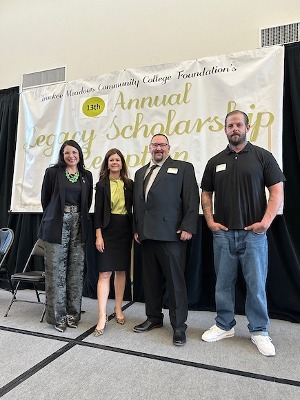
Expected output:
(107, 191)
(162, 172)
(61, 186)
(142, 171)
(83, 191)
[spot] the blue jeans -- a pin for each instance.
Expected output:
(250, 250)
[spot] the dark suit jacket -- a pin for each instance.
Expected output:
(53, 202)
(172, 204)
(103, 202)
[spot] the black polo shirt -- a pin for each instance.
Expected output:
(238, 181)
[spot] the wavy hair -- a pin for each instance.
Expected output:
(61, 162)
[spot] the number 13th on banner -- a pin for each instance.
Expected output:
(93, 107)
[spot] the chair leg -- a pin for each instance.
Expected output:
(37, 293)
(12, 299)
(10, 283)
(43, 313)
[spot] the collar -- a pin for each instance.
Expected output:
(114, 179)
(246, 149)
(160, 164)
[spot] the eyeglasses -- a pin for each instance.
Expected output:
(162, 145)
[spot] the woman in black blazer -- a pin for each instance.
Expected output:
(113, 223)
(66, 199)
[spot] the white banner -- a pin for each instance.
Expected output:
(187, 101)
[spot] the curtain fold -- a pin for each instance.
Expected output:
(291, 142)
(283, 284)
(9, 109)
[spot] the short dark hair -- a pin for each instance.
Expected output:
(160, 134)
(246, 119)
(61, 162)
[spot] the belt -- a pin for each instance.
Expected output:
(71, 209)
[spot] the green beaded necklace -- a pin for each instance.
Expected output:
(72, 177)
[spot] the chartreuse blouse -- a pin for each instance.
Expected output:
(117, 196)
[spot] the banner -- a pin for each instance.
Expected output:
(187, 101)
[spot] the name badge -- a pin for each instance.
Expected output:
(220, 167)
(172, 170)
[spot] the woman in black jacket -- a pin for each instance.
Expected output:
(66, 199)
(113, 223)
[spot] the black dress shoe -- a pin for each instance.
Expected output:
(179, 338)
(147, 326)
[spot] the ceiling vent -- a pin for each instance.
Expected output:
(42, 78)
(280, 34)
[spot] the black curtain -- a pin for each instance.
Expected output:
(9, 109)
(283, 285)
(25, 226)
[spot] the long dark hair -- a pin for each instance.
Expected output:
(104, 171)
(61, 162)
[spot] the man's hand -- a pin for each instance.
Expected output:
(185, 235)
(258, 227)
(215, 226)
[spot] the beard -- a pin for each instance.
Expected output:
(158, 156)
(237, 138)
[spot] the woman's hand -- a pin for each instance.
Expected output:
(100, 244)
(136, 238)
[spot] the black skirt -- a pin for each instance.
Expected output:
(117, 238)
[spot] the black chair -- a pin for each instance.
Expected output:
(6, 241)
(29, 275)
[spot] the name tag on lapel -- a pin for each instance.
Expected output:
(172, 171)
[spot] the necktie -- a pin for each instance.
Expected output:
(147, 177)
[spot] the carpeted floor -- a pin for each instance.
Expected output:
(37, 362)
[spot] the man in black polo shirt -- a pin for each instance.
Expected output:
(238, 177)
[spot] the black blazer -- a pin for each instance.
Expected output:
(172, 203)
(102, 210)
(53, 202)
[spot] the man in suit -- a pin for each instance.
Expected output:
(166, 207)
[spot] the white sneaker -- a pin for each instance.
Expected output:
(264, 344)
(214, 334)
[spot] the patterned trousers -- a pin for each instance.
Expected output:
(64, 264)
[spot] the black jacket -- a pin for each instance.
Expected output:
(103, 202)
(53, 201)
(172, 202)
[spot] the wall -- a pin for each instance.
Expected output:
(96, 36)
